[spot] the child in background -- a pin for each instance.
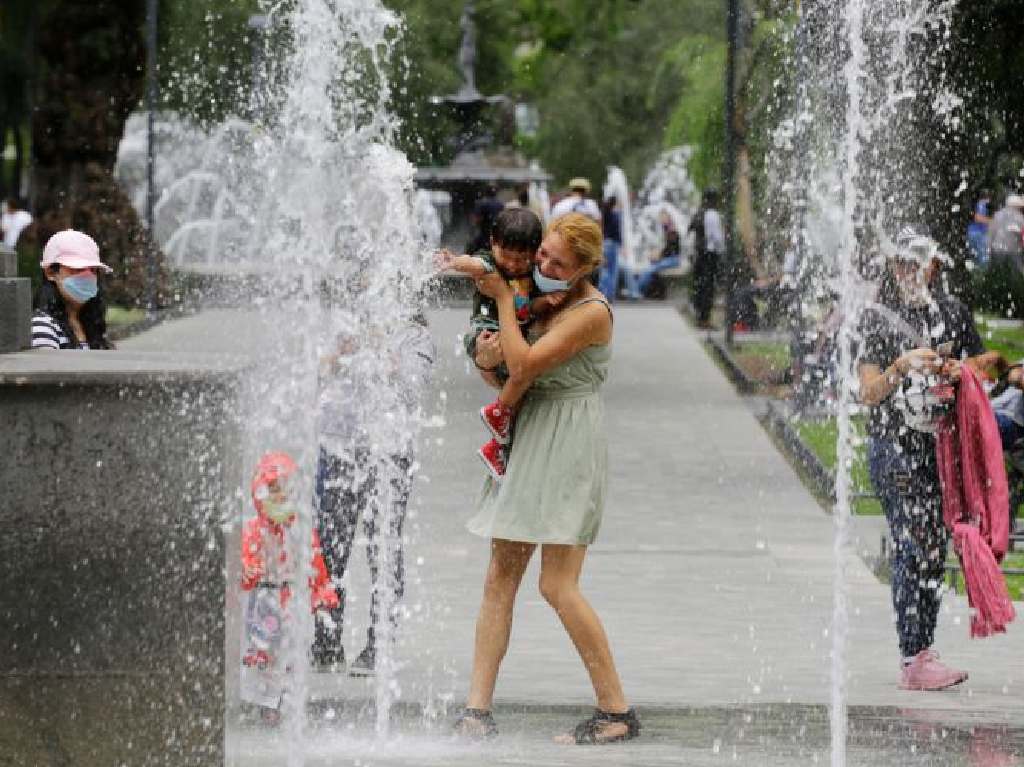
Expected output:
(515, 238)
(267, 574)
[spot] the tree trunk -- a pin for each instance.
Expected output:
(743, 194)
(4, 193)
(89, 77)
(19, 161)
(746, 221)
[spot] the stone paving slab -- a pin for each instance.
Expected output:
(780, 736)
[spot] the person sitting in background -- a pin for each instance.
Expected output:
(69, 308)
(578, 201)
(1005, 246)
(13, 222)
(670, 257)
(1006, 398)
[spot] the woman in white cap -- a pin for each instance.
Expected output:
(69, 308)
(913, 339)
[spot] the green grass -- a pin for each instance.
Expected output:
(119, 315)
(1007, 341)
(775, 353)
(1014, 583)
(822, 438)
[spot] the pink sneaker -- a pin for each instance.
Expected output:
(926, 673)
(493, 456)
(498, 418)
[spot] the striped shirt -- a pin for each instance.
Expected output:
(48, 334)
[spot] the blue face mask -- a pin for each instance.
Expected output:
(81, 287)
(549, 285)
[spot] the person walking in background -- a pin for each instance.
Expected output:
(368, 422)
(1005, 246)
(611, 224)
(709, 245)
(485, 212)
(69, 308)
(977, 229)
(578, 201)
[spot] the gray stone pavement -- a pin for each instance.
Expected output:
(713, 571)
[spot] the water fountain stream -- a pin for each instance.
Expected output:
(310, 194)
(858, 172)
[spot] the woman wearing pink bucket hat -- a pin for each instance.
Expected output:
(69, 308)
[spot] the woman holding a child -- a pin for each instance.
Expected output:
(553, 490)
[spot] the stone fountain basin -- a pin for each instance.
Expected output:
(120, 469)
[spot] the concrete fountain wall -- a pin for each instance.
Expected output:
(119, 469)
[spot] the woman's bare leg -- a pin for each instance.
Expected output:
(494, 623)
(559, 585)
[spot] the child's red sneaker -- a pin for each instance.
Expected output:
(493, 456)
(254, 658)
(498, 418)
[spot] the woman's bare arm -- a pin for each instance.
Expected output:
(581, 327)
(877, 384)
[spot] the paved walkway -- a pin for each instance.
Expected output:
(713, 572)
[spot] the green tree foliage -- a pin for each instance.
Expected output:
(601, 73)
(606, 75)
(698, 118)
(206, 56)
(595, 69)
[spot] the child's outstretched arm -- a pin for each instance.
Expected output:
(469, 265)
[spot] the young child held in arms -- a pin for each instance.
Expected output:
(515, 238)
(267, 573)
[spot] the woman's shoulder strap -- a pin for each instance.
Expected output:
(592, 300)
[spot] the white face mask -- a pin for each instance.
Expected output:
(280, 512)
(551, 285)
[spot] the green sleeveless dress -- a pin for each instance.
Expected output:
(557, 472)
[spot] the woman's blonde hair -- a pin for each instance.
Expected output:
(584, 237)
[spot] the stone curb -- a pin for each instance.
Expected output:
(777, 422)
(744, 384)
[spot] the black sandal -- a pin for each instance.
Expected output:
(587, 731)
(488, 728)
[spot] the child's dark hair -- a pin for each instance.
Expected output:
(518, 229)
